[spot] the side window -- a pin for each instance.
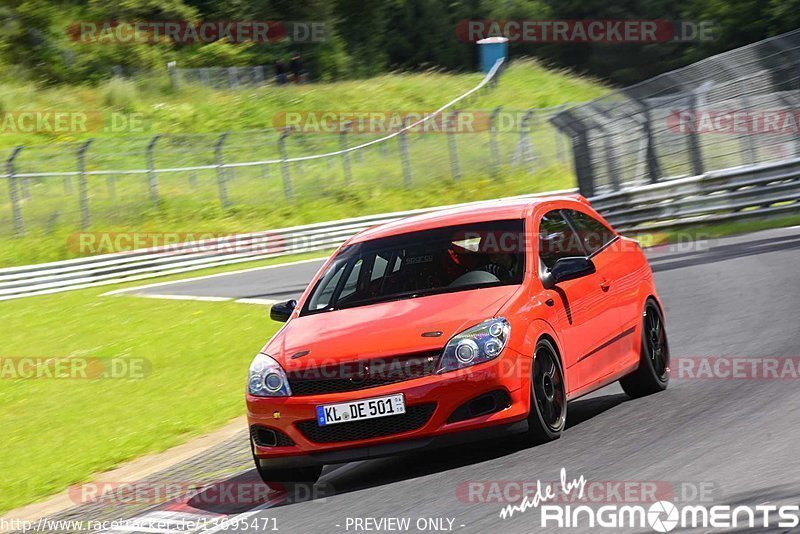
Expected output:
(593, 234)
(378, 267)
(351, 284)
(327, 285)
(557, 240)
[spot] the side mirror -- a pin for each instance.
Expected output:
(281, 311)
(568, 269)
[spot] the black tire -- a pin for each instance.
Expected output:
(652, 375)
(286, 479)
(548, 413)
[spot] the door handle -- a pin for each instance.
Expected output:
(605, 284)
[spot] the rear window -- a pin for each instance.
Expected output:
(447, 259)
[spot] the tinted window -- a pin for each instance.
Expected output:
(593, 234)
(453, 258)
(557, 240)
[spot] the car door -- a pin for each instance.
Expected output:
(622, 278)
(582, 311)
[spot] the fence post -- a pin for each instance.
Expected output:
(524, 152)
(694, 142)
(26, 188)
(493, 148)
(451, 143)
(233, 77)
(13, 193)
(345, 155)
(653, 168)
(172, 68)
(402, 141)
(221, 177)
(151, 169)
(561, 152)
(569, 123)
(287, 177)
(749, 148)
(83, 184)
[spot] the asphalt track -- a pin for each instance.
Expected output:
(736, 296)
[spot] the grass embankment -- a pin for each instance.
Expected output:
(190, 202)
(58, 432)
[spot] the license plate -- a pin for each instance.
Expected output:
(345, 412)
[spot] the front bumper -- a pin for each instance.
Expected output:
(449, 391)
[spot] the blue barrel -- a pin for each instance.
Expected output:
(491, 49)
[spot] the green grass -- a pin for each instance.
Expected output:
(198, 353)
(199, 109)
(190, 201)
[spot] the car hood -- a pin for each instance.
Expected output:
(383, 329)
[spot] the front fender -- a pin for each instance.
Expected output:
(536, 329)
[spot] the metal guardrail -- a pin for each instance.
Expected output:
(739, 193)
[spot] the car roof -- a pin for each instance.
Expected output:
(491, 210)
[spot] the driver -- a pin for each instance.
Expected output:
(499, 265)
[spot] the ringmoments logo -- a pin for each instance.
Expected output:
(660, 516)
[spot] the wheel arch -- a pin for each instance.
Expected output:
(540, 329)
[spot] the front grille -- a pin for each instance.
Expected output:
(355, 376)
(415, 418)
(269, 437)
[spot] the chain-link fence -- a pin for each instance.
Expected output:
(736, 108)
(117, 182)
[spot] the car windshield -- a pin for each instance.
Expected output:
(441, 260)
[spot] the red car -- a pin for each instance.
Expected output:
(454, 326)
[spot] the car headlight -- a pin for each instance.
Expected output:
(267, 378)
(478, 344)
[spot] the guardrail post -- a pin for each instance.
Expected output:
(83, 184)
(287, 177)
(221, 177)
(345, 155)
(402, 141)
(152, 178)
(455, 169)
(13, 193)
(694, 142)
(193, 179)
(493, 148)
